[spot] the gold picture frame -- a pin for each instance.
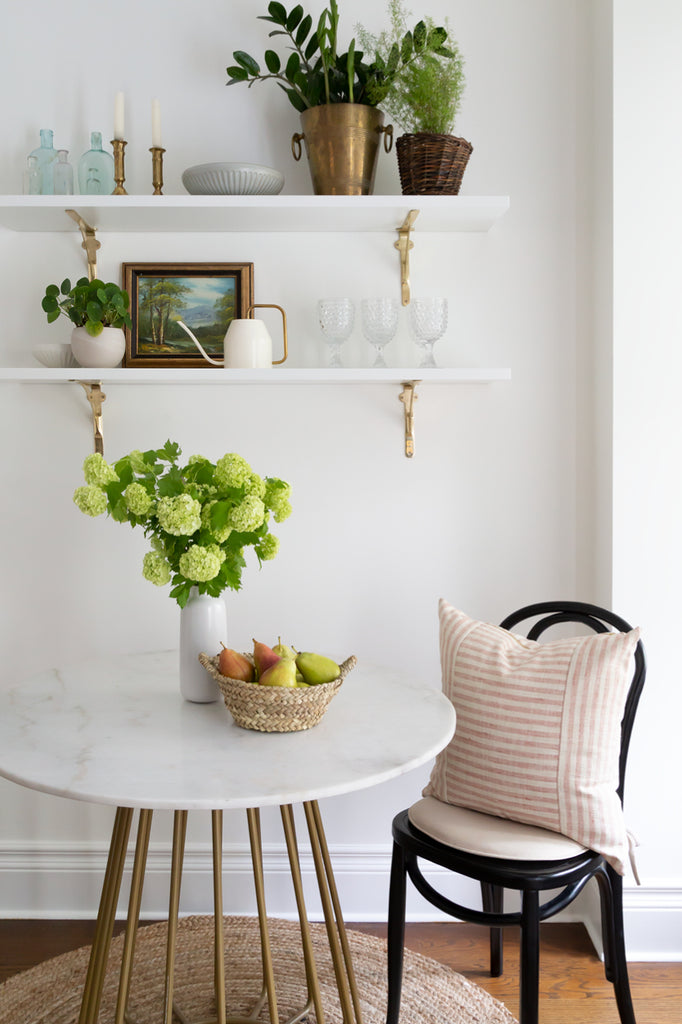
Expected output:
(205, 296)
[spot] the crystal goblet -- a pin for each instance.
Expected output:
(336, 318)
(379, 324)
(428, 321)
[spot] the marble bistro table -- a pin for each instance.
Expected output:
(116, 731)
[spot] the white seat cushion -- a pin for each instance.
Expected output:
(488, 835)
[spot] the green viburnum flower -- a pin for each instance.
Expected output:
(277, 494)
(137, 499)
(255, 485)
(156, 569)
(232, 471)
(199, 564)
(98, 471)
(267, 548)
(215, 549)
(196, 458)
(248, 515)
(180, 515)
(282, 512)
(91, 500)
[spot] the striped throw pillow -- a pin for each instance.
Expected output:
(538, 729)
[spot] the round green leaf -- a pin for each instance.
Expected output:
(272, 61)
(237, 75)
(247, 62)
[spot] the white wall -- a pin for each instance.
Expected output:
(493, 511)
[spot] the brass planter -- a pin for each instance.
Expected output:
(342, 146)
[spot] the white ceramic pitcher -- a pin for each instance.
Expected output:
(247, 343)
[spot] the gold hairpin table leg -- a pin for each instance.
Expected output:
(99, 953)
(253, 818)
(336, 929)
(177, 856)
(314, 995)
(134, 902)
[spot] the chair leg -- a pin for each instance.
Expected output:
(611, 892)
(396, 933)
(530, 958)
(493, 902)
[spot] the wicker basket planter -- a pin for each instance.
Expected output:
(275, 708)
(431, 164)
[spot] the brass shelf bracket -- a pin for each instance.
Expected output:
(408, 396)
(90, 243)
(96, 396)
(403, 245)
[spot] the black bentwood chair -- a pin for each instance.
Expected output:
(530, 877)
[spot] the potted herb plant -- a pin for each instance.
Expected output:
(337, 94)
(424, 98)
(98, 311)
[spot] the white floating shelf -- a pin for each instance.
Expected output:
(277, 375)
(252, 213)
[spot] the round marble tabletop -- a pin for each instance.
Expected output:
(118, 732)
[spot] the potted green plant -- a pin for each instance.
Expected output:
(424, 98)
(98, 311)
(337, 94)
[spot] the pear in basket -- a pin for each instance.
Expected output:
(282, 673)
(235, 665)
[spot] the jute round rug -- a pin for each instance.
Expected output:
(432, 994)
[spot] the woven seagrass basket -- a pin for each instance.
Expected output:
(275, 708)
(431, 164)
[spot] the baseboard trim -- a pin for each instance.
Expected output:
(62, 880)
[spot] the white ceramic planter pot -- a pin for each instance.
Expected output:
(107, 349)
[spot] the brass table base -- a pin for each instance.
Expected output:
(336, 931)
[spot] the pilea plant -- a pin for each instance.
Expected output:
(90, 304)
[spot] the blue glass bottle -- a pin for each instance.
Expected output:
(96, 169)
(46, 155)
(63, 174)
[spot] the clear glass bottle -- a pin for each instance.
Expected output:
(46, 155)
(96, 169)
(32, 177)
(63, 174)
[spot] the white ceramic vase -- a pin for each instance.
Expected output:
(105, 350)
(203, 626)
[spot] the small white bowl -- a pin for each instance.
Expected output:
(55, 355)
(232, 179)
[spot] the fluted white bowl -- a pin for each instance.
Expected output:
(232, 179)
(55, 355)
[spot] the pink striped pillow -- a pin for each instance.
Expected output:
(538, 729)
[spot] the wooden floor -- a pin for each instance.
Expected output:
(573, 987)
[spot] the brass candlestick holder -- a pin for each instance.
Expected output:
(119, 166)
(157, 169)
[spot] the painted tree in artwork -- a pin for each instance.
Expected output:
(225, 307)
(160, 299)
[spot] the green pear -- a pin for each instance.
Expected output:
(283, 650)
(315, 668)
(282, 673)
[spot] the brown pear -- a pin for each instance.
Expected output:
(235, 665)
(263, 657)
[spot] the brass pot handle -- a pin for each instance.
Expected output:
(388, 137)
(296, 140)
(273, 305)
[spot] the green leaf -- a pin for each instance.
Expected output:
(272, 61)
(247, 62)
(312, 46)
(406, 47)
(52, 291)
(237, 75)
(303, 30)
(51, 317)
(65, 286)
(393, 60)
(94, 311)
(419, 36)
(50, 304)
(170, 452)
(294, 18)
(171, 483)
(219, 515)
(181, 591)
(277, 12)
(297, 102)
(293, 66)
(436, 37)
(94, 327)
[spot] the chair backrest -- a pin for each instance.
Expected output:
(547, 614)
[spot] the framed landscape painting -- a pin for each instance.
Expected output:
(205, 296)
